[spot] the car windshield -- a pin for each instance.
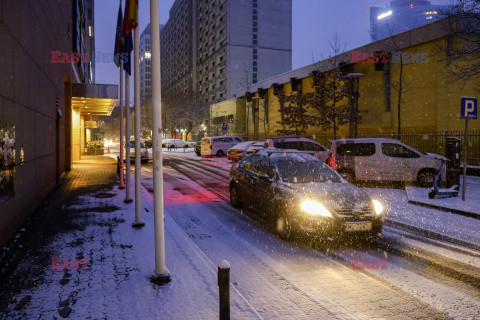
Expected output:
(301, 171)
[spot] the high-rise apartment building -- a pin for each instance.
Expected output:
(211, 48)
(145, 65)
(403, 15)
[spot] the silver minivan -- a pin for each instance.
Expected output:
(218, 146)
(382, 160)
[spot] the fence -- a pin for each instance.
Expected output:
(433, 142)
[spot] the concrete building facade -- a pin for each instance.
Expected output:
(429, 105)
(45, 95)
(146, 65)
(213, 47)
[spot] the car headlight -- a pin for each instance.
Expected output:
(315, 208)
(378, 207)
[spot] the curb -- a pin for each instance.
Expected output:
(408, 227)
(456, 211)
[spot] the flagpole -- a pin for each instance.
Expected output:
(122, 180)
(128, 198)
(161, 272)
(138, 173)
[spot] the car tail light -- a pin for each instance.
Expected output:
(331, 163)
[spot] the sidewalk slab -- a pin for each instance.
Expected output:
(86, 219)
(470, 207)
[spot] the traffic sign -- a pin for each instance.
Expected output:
(469, 108)
(224, 127)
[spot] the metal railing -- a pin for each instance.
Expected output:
(433, 142)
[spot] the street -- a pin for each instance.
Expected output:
(429, 271)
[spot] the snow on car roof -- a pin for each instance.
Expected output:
(243, 145)
(293, 154)
(355, 140)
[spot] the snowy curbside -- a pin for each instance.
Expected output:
(469, 208)
(432, 206)
(176, 237)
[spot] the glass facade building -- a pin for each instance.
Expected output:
(403, 15)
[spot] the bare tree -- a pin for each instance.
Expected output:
(187, 112)
(397, 63)
(295, 117)
(463, 43)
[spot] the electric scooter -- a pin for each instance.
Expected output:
(442, 193)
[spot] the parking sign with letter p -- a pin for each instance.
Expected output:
(469, 108)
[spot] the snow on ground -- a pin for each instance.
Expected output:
(281, 280)
(471, 203)
(450, 224)
(398, 208)
(116, 283)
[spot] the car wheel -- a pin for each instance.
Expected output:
(284, 228)
(348, 175)
(219, 153)
(426, 178)
(234, 196)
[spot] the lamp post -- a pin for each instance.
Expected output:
(353, 114)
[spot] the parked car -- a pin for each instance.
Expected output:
(300, 144)
(148, 144)
(238, 151)
(190, 144)
(175, 143)
(382, 160)
(145, 154)
(198, 148)
(255, 147)
(218, 146)
(302, 193)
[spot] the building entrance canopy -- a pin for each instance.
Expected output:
(94, 99)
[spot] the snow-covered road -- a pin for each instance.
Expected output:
(428, 270)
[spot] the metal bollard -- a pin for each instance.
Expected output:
(224, 289)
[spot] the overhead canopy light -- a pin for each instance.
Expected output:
(384, 15)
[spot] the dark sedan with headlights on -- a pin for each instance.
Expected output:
(301, 194)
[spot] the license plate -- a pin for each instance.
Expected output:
(358, 226)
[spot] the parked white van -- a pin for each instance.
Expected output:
(218, 146)
(382, 160)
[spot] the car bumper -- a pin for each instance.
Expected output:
(235, 158)
(339, 227)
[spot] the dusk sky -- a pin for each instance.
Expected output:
(314, 23)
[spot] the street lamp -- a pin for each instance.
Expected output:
(353, 114)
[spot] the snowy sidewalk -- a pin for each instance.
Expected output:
(85, 261)
(470, 207)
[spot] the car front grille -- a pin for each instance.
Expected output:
(353, 212)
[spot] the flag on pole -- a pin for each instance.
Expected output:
(131, 15)
(119, 40)
(127, 53)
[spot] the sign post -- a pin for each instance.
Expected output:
(468, 110)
